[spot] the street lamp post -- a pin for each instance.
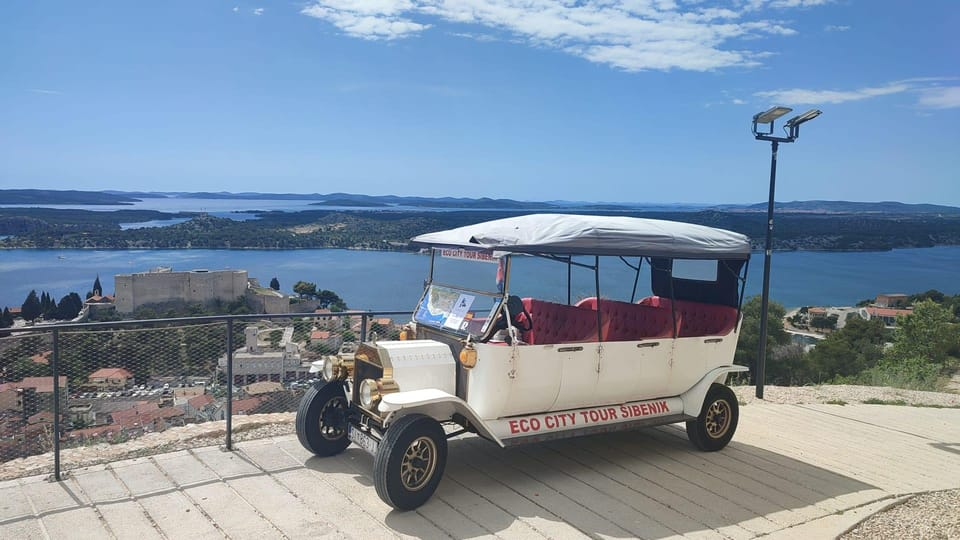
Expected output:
(792, 128)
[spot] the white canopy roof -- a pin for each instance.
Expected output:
(594, 235)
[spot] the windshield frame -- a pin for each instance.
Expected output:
(461, 327)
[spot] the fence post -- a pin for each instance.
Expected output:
(56, 404)
(363, 328)
(229, 435)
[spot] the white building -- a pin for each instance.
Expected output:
(252, 363)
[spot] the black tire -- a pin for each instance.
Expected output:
(410, 461)
(714, 428)
(322, 419)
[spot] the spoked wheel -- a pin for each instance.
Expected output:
(714, 428)
(410, 461)
(322, 419)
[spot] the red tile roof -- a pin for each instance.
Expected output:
(144, 414)
(43, 385)
(111, 373)
(887, 312)
(201, 401)
(243, 406)
(94, 431)
(42, 416)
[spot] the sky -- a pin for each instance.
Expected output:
(592, 100)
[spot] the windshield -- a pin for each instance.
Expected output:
(461, 311)
(464, 293)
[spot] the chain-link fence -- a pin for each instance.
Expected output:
(109, 389)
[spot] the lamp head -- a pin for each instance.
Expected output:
(770, 115)
(801, 118)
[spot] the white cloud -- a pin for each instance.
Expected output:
(798, 3)
(837, 28)
(367, 19)
(737, 101)
(258, 11)
(45, 92)
(945, 97)
(933, 97)
(802, 96)
(632, 35)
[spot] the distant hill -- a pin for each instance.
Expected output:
(48, 197)
(847, 207)
(52, 196)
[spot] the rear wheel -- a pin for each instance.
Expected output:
(410, 461)
(714, 428)
(322, 419)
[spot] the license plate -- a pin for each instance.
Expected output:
(362, 440)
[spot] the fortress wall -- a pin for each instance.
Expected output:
(135, 290)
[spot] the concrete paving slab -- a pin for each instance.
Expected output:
(238, 518)
(177, 517)
(46, 497)
(128, 521)
(225, 464)
(79, 524)
(793, 471)
(184, 469)
(14, 504)
(100, 485)
(25, 530)
(141, 477)
(282, 508)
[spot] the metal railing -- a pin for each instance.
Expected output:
(73, 385)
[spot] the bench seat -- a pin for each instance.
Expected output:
(559, 323)
(698, 319)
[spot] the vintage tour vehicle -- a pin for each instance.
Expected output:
(533, 328)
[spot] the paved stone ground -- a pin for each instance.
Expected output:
(793, 471)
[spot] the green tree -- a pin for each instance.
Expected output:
(69, 306)
(275, 284)
(848, 351)
(48, 306)
(749, 344)
(926, 333)
(6, 320)
(825, 322)
(305, 289)
(30, 309)
(330, 299)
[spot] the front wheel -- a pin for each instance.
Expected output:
(322, 419)
(714, 428)
(410, 461)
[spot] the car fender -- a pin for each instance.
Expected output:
(693, 398)
(434, 403)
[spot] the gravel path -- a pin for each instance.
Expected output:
(929, 516)
(846, 393)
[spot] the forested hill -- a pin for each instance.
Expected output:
(55, 197)
(51, 196)
(391, 229)
(848, 207)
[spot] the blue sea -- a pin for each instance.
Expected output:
(393, 280)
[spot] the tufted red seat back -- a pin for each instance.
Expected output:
(699, 319)
(623, 321)
(559, 323)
